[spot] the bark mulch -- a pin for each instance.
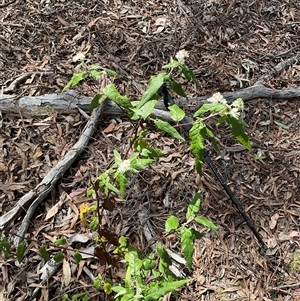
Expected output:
(232, 44)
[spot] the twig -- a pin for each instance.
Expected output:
(14, 84)
(34, 197)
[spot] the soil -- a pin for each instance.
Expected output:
(232, 44)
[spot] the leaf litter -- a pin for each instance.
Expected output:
(231, 44)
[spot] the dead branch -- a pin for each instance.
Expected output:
(34, 197)
(69, 102)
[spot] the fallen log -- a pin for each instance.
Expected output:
(70, 101)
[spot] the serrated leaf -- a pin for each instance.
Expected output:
(213, 139)
(145, 110)
(197, 136)
(188, 74)
(206, 222)
(98, 98)
(110, 187)
(282, 125)
(117, 156)
(166, 127)
(155, 83)
(111, 92)
(44, 254)
(111, 72)
(194, 206)
(156, 293)
(172, 223)
(94, 223)
(163, 254)
(96, 74)
(187, 245)
(176, 113)
(140, 163)
(237, 127)
(77, 257)
(58, 257)
(75, 79)
(60, 241)
(122, 182)
(211, 107)
(173, 64)
(95, 67)
(176, 87)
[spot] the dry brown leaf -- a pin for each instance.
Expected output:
(273, 221)
(66, 275)
(62, 21)
(57, 206)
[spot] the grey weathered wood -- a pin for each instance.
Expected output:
(69, 102)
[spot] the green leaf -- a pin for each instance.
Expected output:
(284, 126)
(151, 153)
(123, 242)
(221, 120)
(97, 284)
(155, 83)
(107, 286)
(176, 113)
(44, 254)
(176, 87)
(166, 127)
(145, 110)
(80, 297)
(77, 257)
(5, 247)
(213, 139)
(58, 257)
(196, 234)
(95, 67)
(172, 223)
(187, 245)
(117, 156)
(109, 187)
(148, 264)
(21, 250)
(173, 64)
(140, 163)
(76, 78)
(96, 74)
(167, 287)
(205, 222)
(197, 135)
(188, 74)
(111, 72)
(112, 93)
(194, 206)
(94, 223)
(90, 191)
(211, 107)
(165, 259)
(122, 182)
(98, 98)
(237, 127)
(60, 241)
